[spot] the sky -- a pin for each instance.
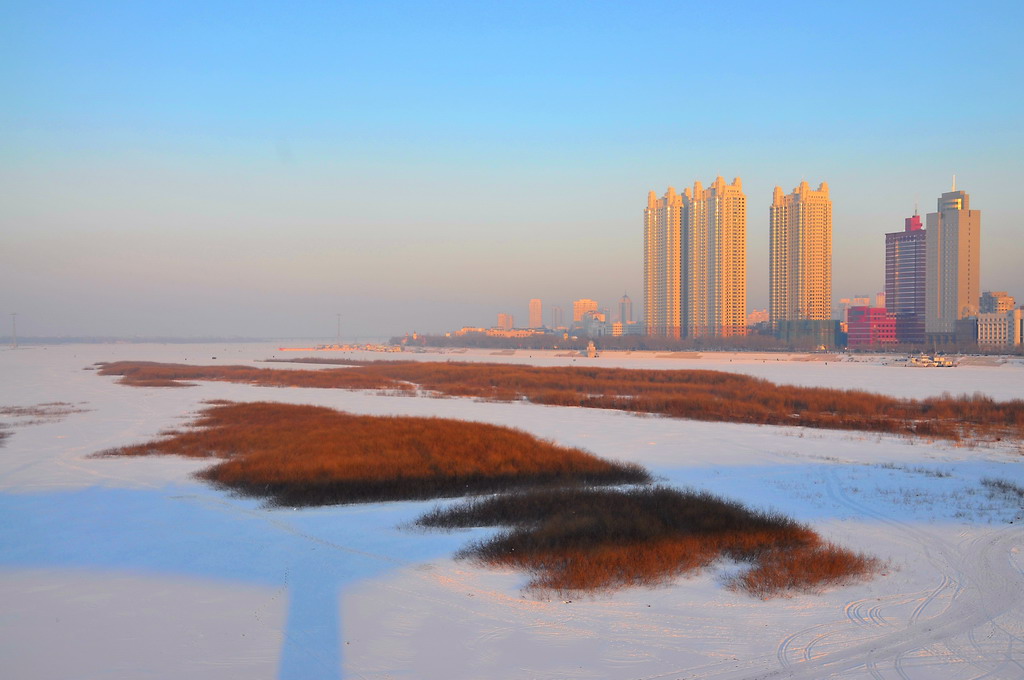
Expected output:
(255, 169)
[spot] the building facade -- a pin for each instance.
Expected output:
(625, 309)
(581, 308)
(953, 267)
(618, 328)
(506, 322)
(557, 321)
(905, 263)
(536, 313)
(842, 307)
(1000, 329)
(757, 316)
(868, 326)
(695, 261)
(800, 264)
(663, 278)
(996, 301)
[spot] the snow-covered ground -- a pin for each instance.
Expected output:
(128, 568)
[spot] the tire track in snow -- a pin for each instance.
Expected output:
(995, 592)
(980, 584)
(985, 585)
(872, 619)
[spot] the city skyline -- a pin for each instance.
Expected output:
(206, 171)
(687, 235)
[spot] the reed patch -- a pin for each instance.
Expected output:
(309, 455)
(562, 527)
(579, 540)
(699, 395)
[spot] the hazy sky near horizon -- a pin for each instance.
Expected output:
(253, 169)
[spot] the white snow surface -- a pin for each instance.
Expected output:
(130, 568)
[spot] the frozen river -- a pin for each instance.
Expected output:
(128, 568)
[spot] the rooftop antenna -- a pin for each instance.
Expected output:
(915, 205)
(14, 330)
(954, 181)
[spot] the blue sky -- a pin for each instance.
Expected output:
(254, 169)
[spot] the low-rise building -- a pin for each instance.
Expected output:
(997, 329)
(870, 326)
(620, 329)
(514, 332)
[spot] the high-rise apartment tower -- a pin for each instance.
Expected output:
(695, 261)
(905, 264)
(800, 265)
(663, 279)
(953, 269)
(625, 309)
(556, 317)
(536, 313)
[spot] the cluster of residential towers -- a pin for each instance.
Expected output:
(695, 276)
(695, 261)
(695, 271)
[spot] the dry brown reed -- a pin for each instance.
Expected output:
(570, 536)
(309, 455)
(578, 540)
(700, 395)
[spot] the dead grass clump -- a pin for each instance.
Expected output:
(37, 414)
(1004, 489)
(51, 410)
(309, 455)
(594, 539)
(700, 395)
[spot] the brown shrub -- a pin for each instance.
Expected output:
(594, 539)
(804, 567)
(700, 395)
(309, 455)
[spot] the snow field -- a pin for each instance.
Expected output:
(129, 568)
